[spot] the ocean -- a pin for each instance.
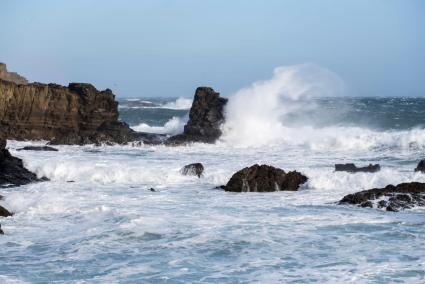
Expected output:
(96, 221)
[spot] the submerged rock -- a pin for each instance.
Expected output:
(420, 167)
(12, 170)
(264, 178)
(390, 198)
(4, 212)
(351, 168)
(1, 231)
(205, 117)
(77, 114)
(38, 148)
(195, 169)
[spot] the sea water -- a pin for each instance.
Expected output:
(97, 221)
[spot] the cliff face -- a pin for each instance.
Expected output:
(11, 76)
(205, 117)
(77, 114)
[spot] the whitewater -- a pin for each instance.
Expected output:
(97, 221)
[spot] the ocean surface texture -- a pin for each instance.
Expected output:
(96, 221)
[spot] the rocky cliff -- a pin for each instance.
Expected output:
(11, 76)
(205, 117)
(77, 114)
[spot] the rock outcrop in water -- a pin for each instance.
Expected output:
(11, 76)
(420, 167)
(264, 178)
(4, 212)
(38, 148)
(12, 170)
(351, 168)
(390, 198)
(195, 169)
(205, 117)
(77, 114)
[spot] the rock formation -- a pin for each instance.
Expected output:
(38, 148)
(205, 117)
(77, 114)
(12, 170)
(11, 76)
(195, 169)
(264, 179)
(351, 168)
(4, 212)
(420, 167)
(390, 198)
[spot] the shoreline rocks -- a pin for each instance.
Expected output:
(264, 178)
(205, 118)
(390, 198)
(37, 148)
(12, 170)
(420, 167)
(351, 168)
(4, 212)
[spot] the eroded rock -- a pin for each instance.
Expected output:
(4, 212)
(264, 178)
(390, 198)
(420, 167)
(205, 117)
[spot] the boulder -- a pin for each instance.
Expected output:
(264, 178)
(4, 212)
(77, 114)
(205, 118)
(195, 169)
(38, 148)
(420, 167)
(390, 198)
(351, 168)
(1, 231)
(12, 170)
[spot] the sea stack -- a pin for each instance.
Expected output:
(205, 118)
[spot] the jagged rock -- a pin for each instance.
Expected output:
(391, 198)
(205, 117)
(37, 148)
(12, 170)
(195, 169)
(264, 178)
(351, 168)
(421, 167)
(11, 76)
(77, 114)
(4, 212)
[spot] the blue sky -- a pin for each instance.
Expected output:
(168, 48)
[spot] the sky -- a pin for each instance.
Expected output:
(167, 48)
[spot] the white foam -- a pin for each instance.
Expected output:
(174, 126)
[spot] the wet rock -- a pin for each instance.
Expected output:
(152, 189)
(1, 231)
(205, 117)
(4, 212)
(195, 169)
(264, 178)
(420, 167)
(76, 114)
(351, 168)
(12, 170)
(38, 148)
(390, 198)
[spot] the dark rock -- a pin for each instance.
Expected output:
(351, 168)
(421, 167)
(205, 117)
(12, 171)
(392, 198)
(264, 179)
(195, 169)
(4, 212)
(38, 148)
(152, 189)
(77, 114)
(1, 231)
